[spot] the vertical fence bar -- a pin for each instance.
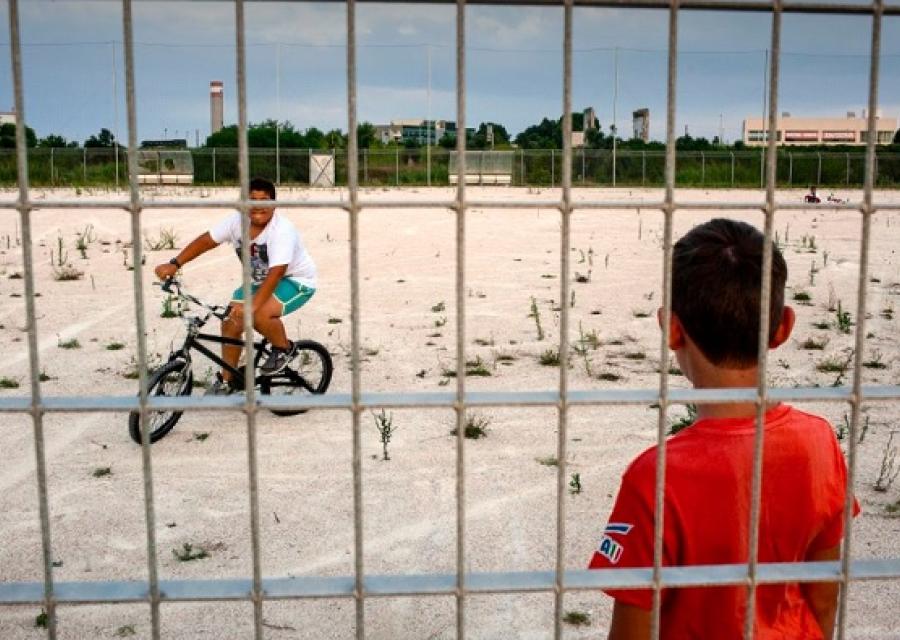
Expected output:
(582, 166)
(732, 168)
(214, 165)
(37, 414)
(460, 406)
(256, 594)
(790, 169)
(564, 242)
(355, 374)
(84, 164)
(522, 164)
(643, 167)
(868, 208)
(552, 168)
(763, 343)
(668, 212)
(819, 169)
(135, 209)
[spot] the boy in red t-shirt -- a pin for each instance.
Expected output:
(714, 331)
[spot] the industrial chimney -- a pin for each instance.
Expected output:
(216, 106)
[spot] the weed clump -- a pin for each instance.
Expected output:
(188, 553)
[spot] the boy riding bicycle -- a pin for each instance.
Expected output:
(283, 279)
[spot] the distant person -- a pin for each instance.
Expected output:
(812, 197)
(714, 331)
(283, 279)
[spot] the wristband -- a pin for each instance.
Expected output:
(175, 262)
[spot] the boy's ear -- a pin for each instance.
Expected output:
(783, 332)
(676, 330)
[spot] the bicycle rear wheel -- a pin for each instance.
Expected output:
(309, 372)
(173, 379)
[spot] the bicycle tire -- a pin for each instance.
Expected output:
(312, 363)
(156, 386)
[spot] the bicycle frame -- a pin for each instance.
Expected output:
(195, 339)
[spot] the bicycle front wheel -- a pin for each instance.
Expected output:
(309, 372)
(173, 379)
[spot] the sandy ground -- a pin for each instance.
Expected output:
(407, 261)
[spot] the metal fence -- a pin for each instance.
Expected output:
(527, 167)
(361, 586)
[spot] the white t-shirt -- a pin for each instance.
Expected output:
(279, 243)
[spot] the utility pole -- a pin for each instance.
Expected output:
(428, 123)
(278, 113)
(615, 102)
(115, 110)
(764, 137)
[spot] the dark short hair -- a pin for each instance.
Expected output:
(263, 184)
(716, 289)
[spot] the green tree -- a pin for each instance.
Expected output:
(365, 136)
(545, 135)
(897, 137)
(315, 139)
(480, 140)
(8, 136)
(103, 139)
(56, 142)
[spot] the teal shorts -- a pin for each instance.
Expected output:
(291, 294)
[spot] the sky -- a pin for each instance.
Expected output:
(73, 65)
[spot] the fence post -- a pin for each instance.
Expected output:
(762, 158)
(819, 170)
(643, 167)
(875, 168)
(397, 165)
(790, 169)
(214, 165)
(522, 164)
(582, 166)
(84, 164)
(552, 168)
(52, 180)
(365, 166)
(702, 168)
(847, 181)
(732, 167)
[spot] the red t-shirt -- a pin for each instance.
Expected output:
(709, 471)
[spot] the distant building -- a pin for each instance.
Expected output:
(418, 131)
(216, 106)
(590, 119)
(820, 131)
(640, 121)
(7, 117)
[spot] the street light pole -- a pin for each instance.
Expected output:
(115, 110)
(428, 124)
(615, 128)
(277, 113)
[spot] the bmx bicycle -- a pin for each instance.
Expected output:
(308, 372)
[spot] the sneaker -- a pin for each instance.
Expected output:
(219, 387)
(278, 359)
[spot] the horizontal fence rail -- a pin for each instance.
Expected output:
(764, 169)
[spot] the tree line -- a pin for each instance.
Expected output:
(547, 134)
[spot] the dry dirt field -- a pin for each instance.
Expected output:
(407, 263)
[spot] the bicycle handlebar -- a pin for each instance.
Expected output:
(221, 312)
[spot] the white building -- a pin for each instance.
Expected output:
(818, 131)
